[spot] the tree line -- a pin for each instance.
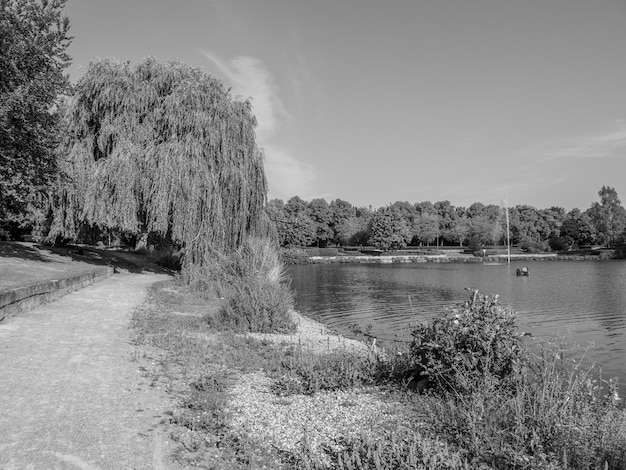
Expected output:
(402, 224)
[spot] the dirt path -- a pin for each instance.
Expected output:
(72, 394)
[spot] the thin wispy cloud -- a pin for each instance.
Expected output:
(595, 146)
(250, 78)
(286, 175)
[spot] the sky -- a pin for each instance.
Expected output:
(374, 102)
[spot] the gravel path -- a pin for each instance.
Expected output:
(72, 394)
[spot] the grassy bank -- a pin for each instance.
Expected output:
(308, 398)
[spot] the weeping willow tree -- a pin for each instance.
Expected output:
(160, 148)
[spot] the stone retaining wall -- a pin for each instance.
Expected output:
(394, 259)
(385, 259)
(17, 300)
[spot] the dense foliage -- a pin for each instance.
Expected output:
(160, 149)
(33, 40)
(388, 229)
(465, 343)
(421, 224)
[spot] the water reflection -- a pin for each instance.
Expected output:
(585, 300)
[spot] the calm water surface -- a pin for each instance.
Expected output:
(584, 300)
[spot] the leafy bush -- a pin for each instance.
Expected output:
(292, 255)
(463, 344)
(531, 246)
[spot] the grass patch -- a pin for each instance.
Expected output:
(303, 373)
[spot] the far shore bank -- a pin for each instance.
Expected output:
(456, 258)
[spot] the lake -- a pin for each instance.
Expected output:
(583, 300)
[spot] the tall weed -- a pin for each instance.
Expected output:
(257, 258)
(554, 415)
(399, 449)
(255, 305)
(303, 372)
(252, 286)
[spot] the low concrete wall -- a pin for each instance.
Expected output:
(17, 300)
(385, 259)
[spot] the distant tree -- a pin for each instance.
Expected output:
(353, 231)
(300, 227)
(407, 210)
(527, 226)
(554, 218)
(297, 206)
(460, 232)
(161, 148)
(321, 214)
(341, 210)
(447, 219)
(425, 229)
(577, 230)
(608, 216)
(481, 231)
(587, 234)
(363, 217)
(475, 210)
(34, 36)
(569, 233)
(425, 207)
(497, 219)
(388, 229)
(343, 221)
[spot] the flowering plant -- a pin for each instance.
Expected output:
(464, 345)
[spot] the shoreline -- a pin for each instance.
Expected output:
(443, 258)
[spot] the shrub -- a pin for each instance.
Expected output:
(558, 243)
(531, 246)
(294, 256)
(463, 344)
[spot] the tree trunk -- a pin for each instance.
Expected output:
(142, 241)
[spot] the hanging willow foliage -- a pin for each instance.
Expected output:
(161, 148)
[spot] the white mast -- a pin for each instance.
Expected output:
(508, 232)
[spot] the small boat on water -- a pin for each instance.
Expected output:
(523, 271)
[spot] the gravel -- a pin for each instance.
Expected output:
(286, 423)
